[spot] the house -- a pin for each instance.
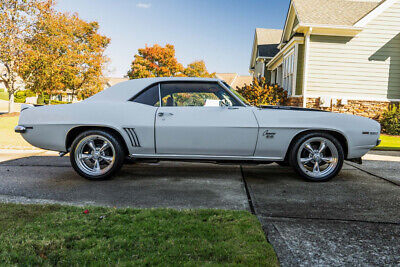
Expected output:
(111, 81)
(265, 47)
(234, 80)
(340, 55)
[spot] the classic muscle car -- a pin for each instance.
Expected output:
(194, 119)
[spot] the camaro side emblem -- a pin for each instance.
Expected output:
(268, 134)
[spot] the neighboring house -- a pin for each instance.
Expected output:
(19, 84)
(66, 96)
(265, 47)
(234, 80)
(110, 81)
(341, 55)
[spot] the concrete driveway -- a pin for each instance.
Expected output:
(352, 220)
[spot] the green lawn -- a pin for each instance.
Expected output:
(8, 138)
(62, 235)
(389, 142)
(4, 96)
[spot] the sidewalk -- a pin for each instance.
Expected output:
(382, 164)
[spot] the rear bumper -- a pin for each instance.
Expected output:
(20, 129)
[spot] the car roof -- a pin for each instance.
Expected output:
(125, 90)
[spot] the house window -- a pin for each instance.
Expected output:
(288, 72)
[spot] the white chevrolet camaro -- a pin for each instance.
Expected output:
(194, 119)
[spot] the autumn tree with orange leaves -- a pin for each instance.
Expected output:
(66, 53)
(16, 25)
(197, 69)
(158, 61)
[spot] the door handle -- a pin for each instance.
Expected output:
(160, 114)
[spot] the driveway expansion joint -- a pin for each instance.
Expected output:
(327, 220)
(372, 174)
(246, 188)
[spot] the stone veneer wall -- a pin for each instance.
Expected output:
(370, 109)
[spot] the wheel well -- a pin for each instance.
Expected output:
(340, 137)
(73, 133)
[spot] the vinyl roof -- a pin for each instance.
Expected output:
(125, 90)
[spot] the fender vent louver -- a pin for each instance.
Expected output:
(132, 137)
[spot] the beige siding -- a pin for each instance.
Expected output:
(300, 68)
(258, 69)
(367, 65)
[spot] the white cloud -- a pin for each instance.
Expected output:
(143, 5)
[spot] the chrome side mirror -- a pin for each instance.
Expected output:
(224, 103)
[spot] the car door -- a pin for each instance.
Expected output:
(190, 121)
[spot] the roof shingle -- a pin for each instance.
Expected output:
(333, 12)
(268, 36)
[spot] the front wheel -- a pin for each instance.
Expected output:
(96, 155)
(317, 157)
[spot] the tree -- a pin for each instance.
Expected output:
(260, 92)
(155, 61)
(66, 53)
(16, 26)
(198, 69)
(158, 61)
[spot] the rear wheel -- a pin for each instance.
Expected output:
(317, 157)
(96, 155)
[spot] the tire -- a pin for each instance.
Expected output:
(315, 162)
(100, 163)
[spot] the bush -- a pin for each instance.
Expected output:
(56, 102)
(20, 96)
(390, 121)
(261, 92)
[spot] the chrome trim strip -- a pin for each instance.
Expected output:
(206, 157)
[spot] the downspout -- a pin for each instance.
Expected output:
(305, 71)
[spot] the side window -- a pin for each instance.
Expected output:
(195, 95)
(148, 97)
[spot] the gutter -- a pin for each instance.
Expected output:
(296, 39)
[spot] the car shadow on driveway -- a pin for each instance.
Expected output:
(167, 184)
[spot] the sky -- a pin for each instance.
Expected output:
(220, 32)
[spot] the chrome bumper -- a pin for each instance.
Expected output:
(20, 129)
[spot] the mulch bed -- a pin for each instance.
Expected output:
(13, 114)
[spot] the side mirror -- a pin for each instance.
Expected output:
(223, 103)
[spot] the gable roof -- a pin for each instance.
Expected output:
(265, 44)
(111, 81)
(227, 77)
(268, 36)
(234, 80)
(333, 12)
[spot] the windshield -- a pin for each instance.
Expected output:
(236, 94)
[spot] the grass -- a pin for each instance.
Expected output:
(389, 142)
(8, 138)
(4, 96)
(62, 235)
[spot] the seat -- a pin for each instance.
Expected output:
(170, 102)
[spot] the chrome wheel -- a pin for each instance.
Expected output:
(95, 155)
(318, 157)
